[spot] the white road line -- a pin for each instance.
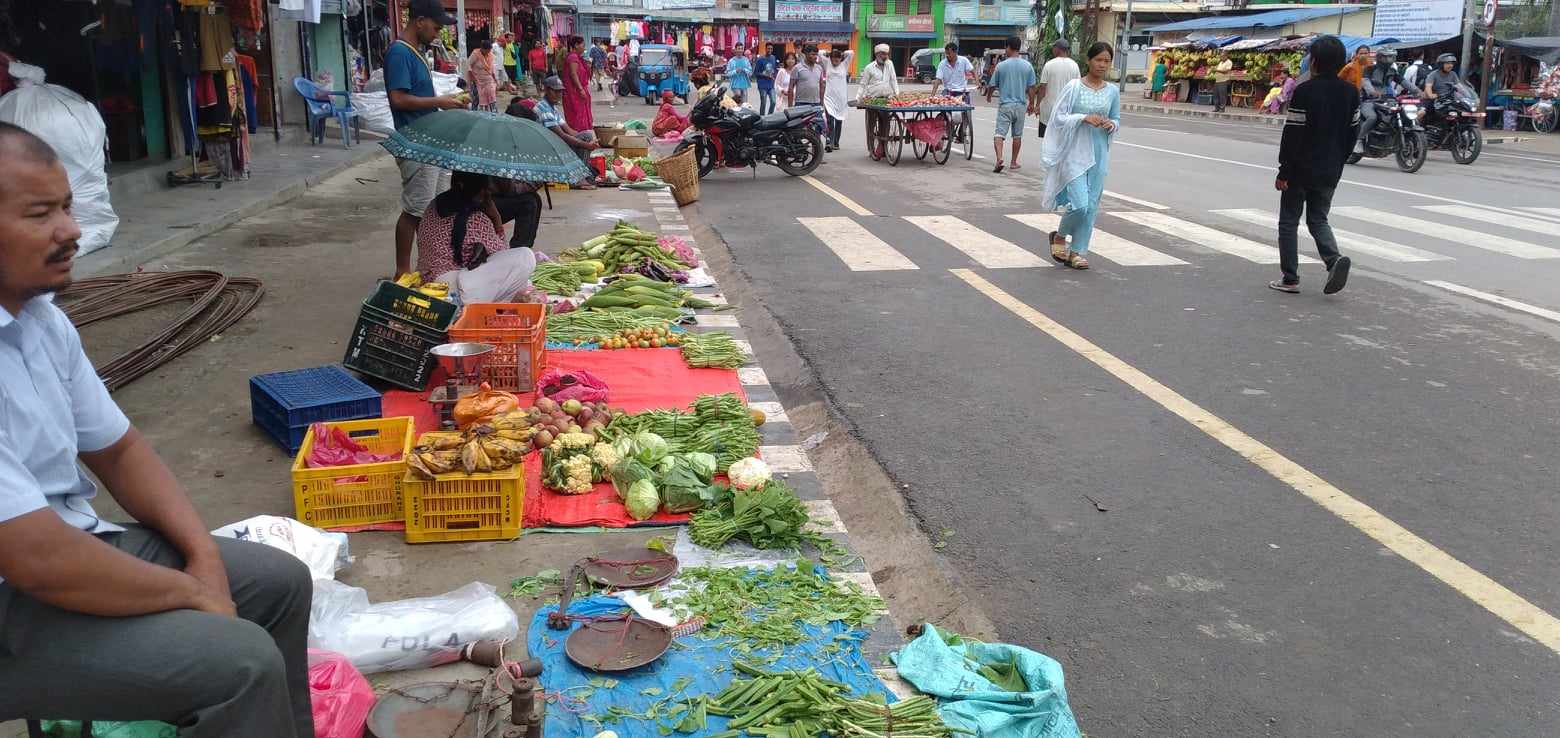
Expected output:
(1465, 236)
(1497, 299)
(1348, 240)
(785, 458)
(1548, 228)
(1135, 201)
(987, 250)
(752, 376)
(839, 198)
(1526, 617)
(1258, 253)
(1551, 212)
(855, 245)
(1113, 248)
(1411, 193)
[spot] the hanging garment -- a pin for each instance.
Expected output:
(248, 14)
(216, 40)
(205, 91)
(251, 78)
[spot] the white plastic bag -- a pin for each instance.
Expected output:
(373, 105)
(406, 634)
(324, 552)
(73, 127)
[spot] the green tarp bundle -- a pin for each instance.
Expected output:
(994, 689)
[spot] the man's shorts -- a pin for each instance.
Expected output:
(419, 184)
(1010, 120)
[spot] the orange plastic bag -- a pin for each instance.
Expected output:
(483, 404)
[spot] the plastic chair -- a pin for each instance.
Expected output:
(321, 108)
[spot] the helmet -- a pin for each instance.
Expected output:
(1386, 56)
(1444, 58)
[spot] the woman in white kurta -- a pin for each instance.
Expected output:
(836, 99)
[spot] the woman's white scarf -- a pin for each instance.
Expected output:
(1067, 153)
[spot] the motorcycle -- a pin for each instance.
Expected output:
(1397, 132)
(787, 139)
(1453, 124)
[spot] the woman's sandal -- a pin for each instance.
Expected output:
(1058, 247)
(1076, 260)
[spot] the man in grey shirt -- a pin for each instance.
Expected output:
(807, 78)
(1443, 80)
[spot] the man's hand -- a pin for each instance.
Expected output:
(212, 600)
(449, 102)
(1280, 185)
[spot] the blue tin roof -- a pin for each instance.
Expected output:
(1272, 19)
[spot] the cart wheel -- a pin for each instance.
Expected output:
(894, 147)
(940, 154)
(967, 129)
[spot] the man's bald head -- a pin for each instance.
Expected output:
(16, 141)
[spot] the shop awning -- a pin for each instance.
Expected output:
(1273, 19)
(897, 35)
(807, 27)
(1543, 48)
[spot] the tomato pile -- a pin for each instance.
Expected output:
(640, 338)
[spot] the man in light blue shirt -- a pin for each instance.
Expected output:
(150, 621)
(739, 72)
(1013, 79)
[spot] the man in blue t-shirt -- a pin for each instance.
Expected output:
(739, 74)
(409, 85)
(764, 68)
(1014, 79)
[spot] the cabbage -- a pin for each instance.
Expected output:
(626, 472)
(749, 473)
(650, 448)
(642, 500)
(703, 464)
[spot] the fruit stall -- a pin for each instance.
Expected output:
(1189, 69)
(930, 124)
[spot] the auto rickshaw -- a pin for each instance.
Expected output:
(662, 68)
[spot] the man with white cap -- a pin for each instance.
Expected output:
(878, 80)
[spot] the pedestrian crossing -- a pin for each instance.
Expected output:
(867, 243)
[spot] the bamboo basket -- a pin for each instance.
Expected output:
(681, 171)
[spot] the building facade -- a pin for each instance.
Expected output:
(978, 25)
(905, 25)
(791, 24)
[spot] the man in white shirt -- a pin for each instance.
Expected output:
(954, 73)
(156, 620)
(878, 80)
(1055, 75)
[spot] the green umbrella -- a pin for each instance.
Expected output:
(488, 143)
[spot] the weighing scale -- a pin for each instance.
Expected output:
(462, 365)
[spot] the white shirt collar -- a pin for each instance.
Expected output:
(6, 318)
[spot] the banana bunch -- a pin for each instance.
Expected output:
(414, 281)
(427, 463)
(496, 445)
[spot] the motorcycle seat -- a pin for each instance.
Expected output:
(772, 121)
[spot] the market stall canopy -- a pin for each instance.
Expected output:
(1543, 48)
(1249, 44)
(488, 143)
(1272, 19)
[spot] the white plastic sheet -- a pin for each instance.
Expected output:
(373, 105)
(74, 128)
(323, 551)
(406, 634)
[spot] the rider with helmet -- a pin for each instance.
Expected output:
(1443, 80)
(1381, 81)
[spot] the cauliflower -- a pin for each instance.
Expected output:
(604, 455)
(749, 473)
(572, 440)
(577, 474)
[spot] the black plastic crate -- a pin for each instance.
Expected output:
(391, 349)
(412, 306)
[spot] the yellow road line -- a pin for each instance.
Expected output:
(838, 197)
(1489, 594)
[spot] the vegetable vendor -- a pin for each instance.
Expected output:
(151, 620)
(667, 119)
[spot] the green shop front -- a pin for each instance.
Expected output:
(905, 25)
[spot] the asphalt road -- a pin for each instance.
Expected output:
(1226, 511)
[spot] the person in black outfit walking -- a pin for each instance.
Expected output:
(1323, 121)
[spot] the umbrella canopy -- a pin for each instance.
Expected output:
(488, 143)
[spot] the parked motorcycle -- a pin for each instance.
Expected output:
(1397, 132)
(741, 137)
(1454, 124)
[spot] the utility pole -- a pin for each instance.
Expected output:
(1470, 12)
(460, 35)
(1121, 48)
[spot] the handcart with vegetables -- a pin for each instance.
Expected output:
(929, 124)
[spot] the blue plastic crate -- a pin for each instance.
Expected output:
(284, 404)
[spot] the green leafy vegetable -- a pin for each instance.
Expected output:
(771, 516)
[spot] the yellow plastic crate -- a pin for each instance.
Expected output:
(359, 494)
(465, 507)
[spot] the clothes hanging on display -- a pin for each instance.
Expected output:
(216, 41)
(248, 14)
(250, 78)
(307, 11)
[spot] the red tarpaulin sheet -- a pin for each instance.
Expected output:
(637, 379)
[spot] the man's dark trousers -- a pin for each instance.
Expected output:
(211, 676)
(1315, 202)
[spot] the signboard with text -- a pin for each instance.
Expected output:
(809, 11)
(899, 23)
(1418, 20)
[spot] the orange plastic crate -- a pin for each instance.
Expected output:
(517, 330)
(359, 494)
(465, 507)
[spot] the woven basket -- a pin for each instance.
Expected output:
(681, 171)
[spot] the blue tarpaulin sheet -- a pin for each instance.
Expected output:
(703, 665)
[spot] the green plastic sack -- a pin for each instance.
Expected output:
(960, 673)
(636, 125)
(143, 729)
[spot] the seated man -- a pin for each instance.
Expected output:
(547, 113)
(155, 620)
